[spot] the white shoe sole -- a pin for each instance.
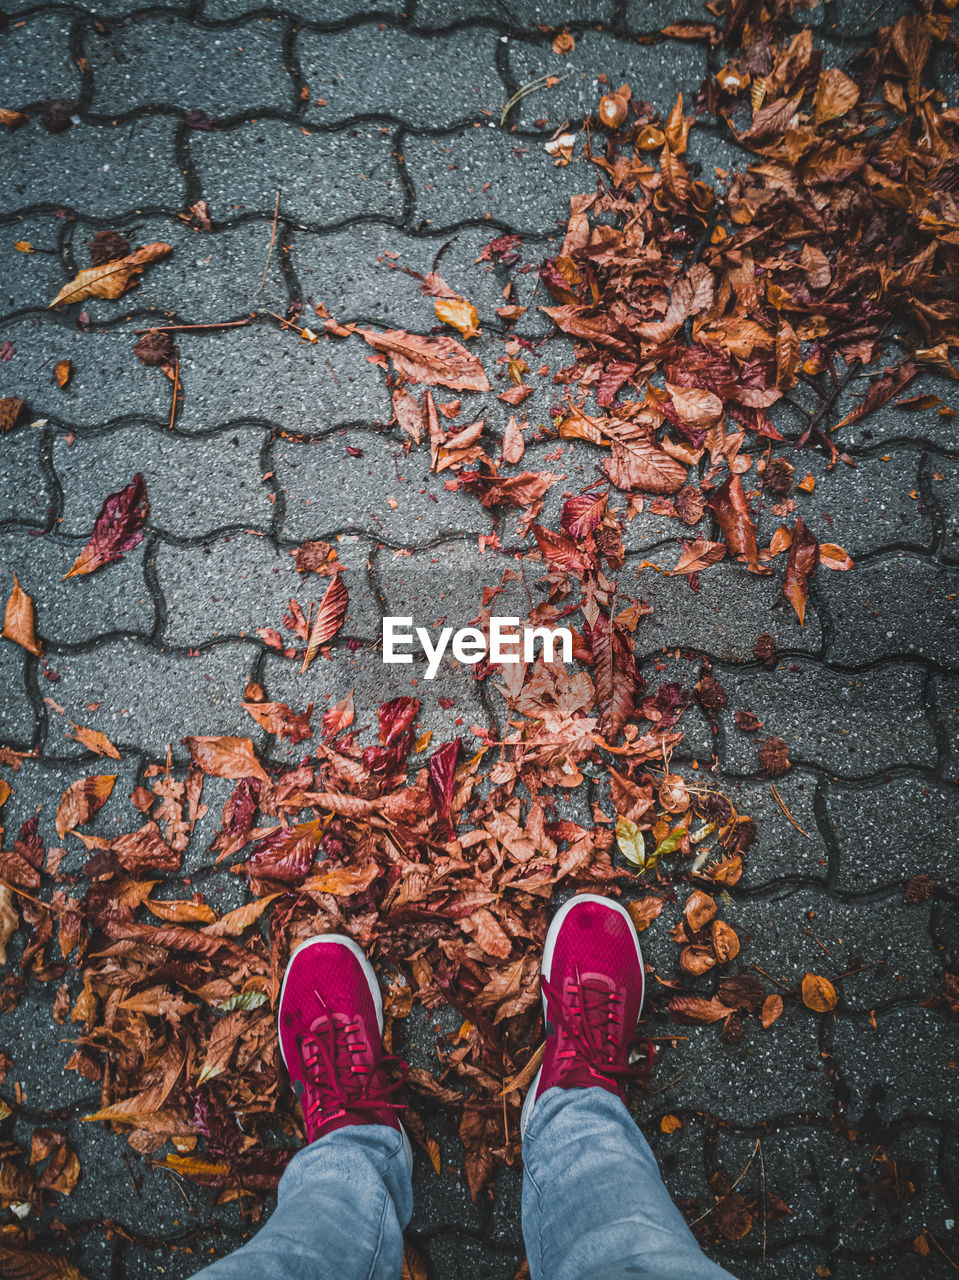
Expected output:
(369, 973)
(547, 970)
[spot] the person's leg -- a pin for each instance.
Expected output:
(594, 1204)
(343, 1202)
(341, 1208)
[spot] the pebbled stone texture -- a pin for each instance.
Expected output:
(228, 461)
(24, 485)
(654, 71)
(336, 11)
(875, 504)
(324, 177)
(434, 83)
(30, 280)
(17, 720)
(519, 15)
(102, 170)
(35, 62)
(165, 60)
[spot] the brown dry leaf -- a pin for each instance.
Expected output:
(17, 1263)
(234, 922)
(725, 941)
(459, 314)
(644, 911)
(94, 741)
(112, 279)
(771, 1010)
(834, 557)
(691, 1011)
(563, 44)
(434, 360)
(19, 621)
(637, 462)
(226, 757)
(818, 993)
(697, 556)
(181, 911)
(835, 95)
(699, 910)
(12, 119)
(803, 561)
(9, 920)
(82, 799)
(328, 620)
(10, 407)
(61, 372)
(670, 1124)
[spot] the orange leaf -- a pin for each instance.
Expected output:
(700, 909)
(19, 622)
(226, 757)
(112, 278)
(458, 313)
(81, 801)
(61, 372)
(339, 716)
(329, 618)
(435, 360)
(832, 556)
(94, 741)
(818, 993)
(181, 910)
(803, 559)
(771, 1010)
(670, 1124)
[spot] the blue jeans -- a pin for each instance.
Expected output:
(594, 1205)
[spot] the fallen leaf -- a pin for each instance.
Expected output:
(225, 757)
(117, 529)
(434, 360)
(818, 993)
(19, 622)
(771, 1010)
(61, 372)
(81, 800)
(112, 278)
(328, 620)
(803, 561)
(459, 314)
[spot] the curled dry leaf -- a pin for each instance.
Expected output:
(728, 503)
(644, 911)
(692, 1011)
(833, 557)
(81, 800)
(18, 1263)
(725, 941)
(9, 920)
(459, 314)
(19, 621)
(803, 560)
(819, 994)
(118, 528)
(10, 407)
(226, 757)
(339, 716)
(328, 620)
(699, 910)
(434, 360)
(771, 1010)
(62, 371)
(112, 278)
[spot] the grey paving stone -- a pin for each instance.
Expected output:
(107, 379)
(867, 823)
(479, 173)
(769, 1073)
(731, 610)
(35, 63)
(358, 274)
(263, 372)
(374, 682)
(945, 496)
(860, 18)
(209, 277)
(456, 1253)
(888, 423)
(875, 1265)
(149, 697)
(711, 148)
(865, 507)
(40, 1054)
(324, 178)
(102, 170)
(174, 1262)
(333, 12)
(24, 489)
(874, 614)
(648, 16)
(442, 1202)
(31, 279)
(239, 583)
(909, 1034)
(194, 484)
(433, 83)
(505, 1224)
(16, 713)
(519, 15)
(805, 930)
(946, 702)
(831, 719)
(113, 599)
(793, 1261)
(164, 60)
(781, 852)
(655, 72)
(425, 510)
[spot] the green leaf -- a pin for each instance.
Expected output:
(669, 843)
(243, 1000)
(631, 843)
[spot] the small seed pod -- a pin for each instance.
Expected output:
(612, 110)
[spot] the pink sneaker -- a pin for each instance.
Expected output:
(330, 1023)
(592, 997)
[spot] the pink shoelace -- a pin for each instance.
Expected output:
(339, 1079)
(590, 1019)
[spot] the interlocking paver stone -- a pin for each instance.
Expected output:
(874, 504)
(732, 609)
(649, 16)
(238, 583)
(479, 173)
(829, 718)
(31, 279)
(208, 278)
(782, 852)
(102, 170)
(149, 697)
(35, 62)
(16, 712)
(165, 60)
(434, 82)
(24, 487)
(888, 423)
(945, 496)
(654, 71)
(314, 508)
(228, 460)
(873, 848)
(887, 597)
(333, 11)
(908, 1034)
(946, 701)
(518, 15)
(324, 177)
(115, 599)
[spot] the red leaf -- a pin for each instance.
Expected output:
(118, 528)
(442, 781)
(328, 620)
(728, 504)
(803, 559)
(395, 718)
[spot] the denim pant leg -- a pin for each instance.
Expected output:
(342, 1204)
(594, 1204)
